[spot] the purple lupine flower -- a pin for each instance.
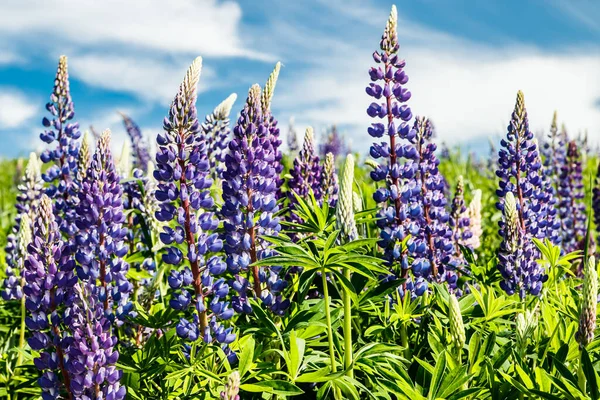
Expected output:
(459, 218)
(100, 248)
(249, 195)
(139, 145)
(554, 151)
(433, 250)
(184, 182)
(306, 174)
(30, 190)
(333, 143)
(217, 131)
(49, 280)
(329, 180)
(65, 133)
(520, 172)
(400, 209)
(92, 355)
(571, 206)
(292, 137)
(596, 202)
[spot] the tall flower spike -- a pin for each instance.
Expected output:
(30, 190)
(139, 146)
(269, 90)
(333, 143)
(305, 174)
(217, 131)
(100, 246)
(457, 327)
(83, 158)
(520, 173)
(14, 281)
(249, 208)
(596, 202)
(589, 303)
(184, 182)
(474, 214)
(49, 280)
(554, 151)
(459, 218)
(232, 387)
(329, 180)
(571, 206)
(64, 157)
(345, 210)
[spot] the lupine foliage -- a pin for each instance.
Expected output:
(229, 269)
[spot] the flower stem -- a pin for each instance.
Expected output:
(347, 328)
(328, 320)
(581, 376)
(22, 332)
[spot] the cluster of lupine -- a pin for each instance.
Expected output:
(183, 190)
(65, 133)
(30, 191)
(141, 151)
(534, 214)
(571, 206)
(216, 133)
(554, 151)
(249, 195)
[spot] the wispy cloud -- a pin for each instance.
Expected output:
(15, 108)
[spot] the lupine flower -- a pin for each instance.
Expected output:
(357, 203)
(474, 214)
(554, 151)
(30, 190)
(49, 279)
(64, 157)
(333, 143)
(457, 326)
(100, 246)
(249, 190)
(92, 355)
(596, 202)
(184, 181)
(433, 249)
(329, 180)
(83, 158)
(344, 210)
(398, 197)
(232, 387)
(571, 206)
(270, 123)
(520, 173)
(141, 150)
(525, 326)
(459, 218)
(589, 303)
(305, 174)
(217, 131)
(292, 137)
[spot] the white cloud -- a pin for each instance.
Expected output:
(149, 79)
(15, 108)
(207, 27)
(467, 89)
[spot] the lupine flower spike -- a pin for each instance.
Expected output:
(292, 137)
(139, 145)
(184, 182)
(64, 157)
(345, 209)
(217, 131)
(474, 214)
(457, 327)
(100, 246)
(554, 151)
(30, 190)
(571, 206)
(329, 180)
(305, 174)
(271, 123)
(333, 143)
(49, 279)
(249, 190)
(459, 218)
(232, 387)
(589, 303)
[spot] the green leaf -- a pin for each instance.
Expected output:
(590, 374)
(278, 387)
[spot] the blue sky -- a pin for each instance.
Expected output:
(465, 59)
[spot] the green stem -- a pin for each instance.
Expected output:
(347, 328)
(328, 320)
(581, 377)
(22, 332)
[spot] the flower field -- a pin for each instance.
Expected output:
(219, 263)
